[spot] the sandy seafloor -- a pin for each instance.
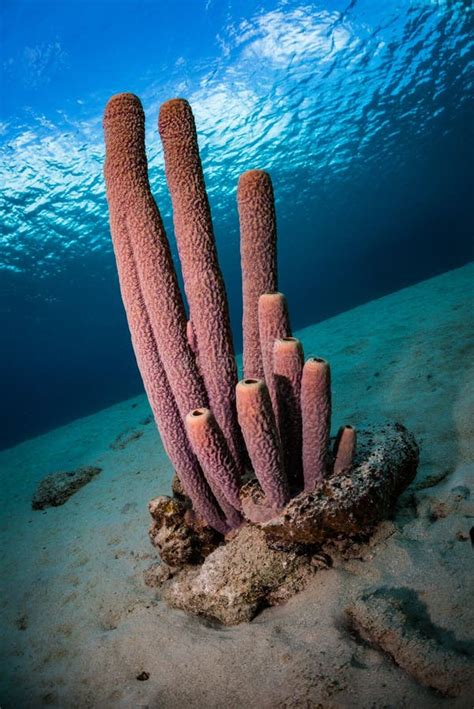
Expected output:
(79, 624)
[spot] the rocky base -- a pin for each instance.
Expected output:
(178, 533)
(347, 504)
(273, 555)
(238, 579)
(57, 488)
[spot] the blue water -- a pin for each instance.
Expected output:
(362, 111)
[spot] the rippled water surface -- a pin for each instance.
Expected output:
(361, 111)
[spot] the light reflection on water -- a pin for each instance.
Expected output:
(299, 90)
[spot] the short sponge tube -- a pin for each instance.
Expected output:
(257, 422)
(316, 420)
(344, 449)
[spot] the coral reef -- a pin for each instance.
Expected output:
(55, 489)
(349, 502)
(261, 488)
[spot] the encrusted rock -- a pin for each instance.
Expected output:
(396, 621)
(156, 574)
(237, 579)
(178, 491)
(179, 534)
(57, 488)
(270, 559)
(355, 500)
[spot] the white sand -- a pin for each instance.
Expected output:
(79, 625)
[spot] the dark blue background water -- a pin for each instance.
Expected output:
(362, 112)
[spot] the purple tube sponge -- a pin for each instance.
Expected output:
(344, 449)
(258, 259)
(133, 211)
(210, 447)
(316, 419)
(288, 359)
(203, 282)
(258, 425)
(273, 323)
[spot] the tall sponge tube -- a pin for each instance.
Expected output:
(273, 324)
(160, 396)
(203, 282)
(133, 211)
(258, 254)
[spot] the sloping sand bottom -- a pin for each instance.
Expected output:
(79, 625)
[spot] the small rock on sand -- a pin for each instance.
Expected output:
(396, 621)
(57, 488)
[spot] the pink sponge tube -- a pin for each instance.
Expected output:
(288, 359)
(344, 449)
(191, 337)
(160, 396)
(258, 259)
(208, 443)
(316, 419)
(273, 323)
(203, 281)
(133, 211)
(258, 425)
